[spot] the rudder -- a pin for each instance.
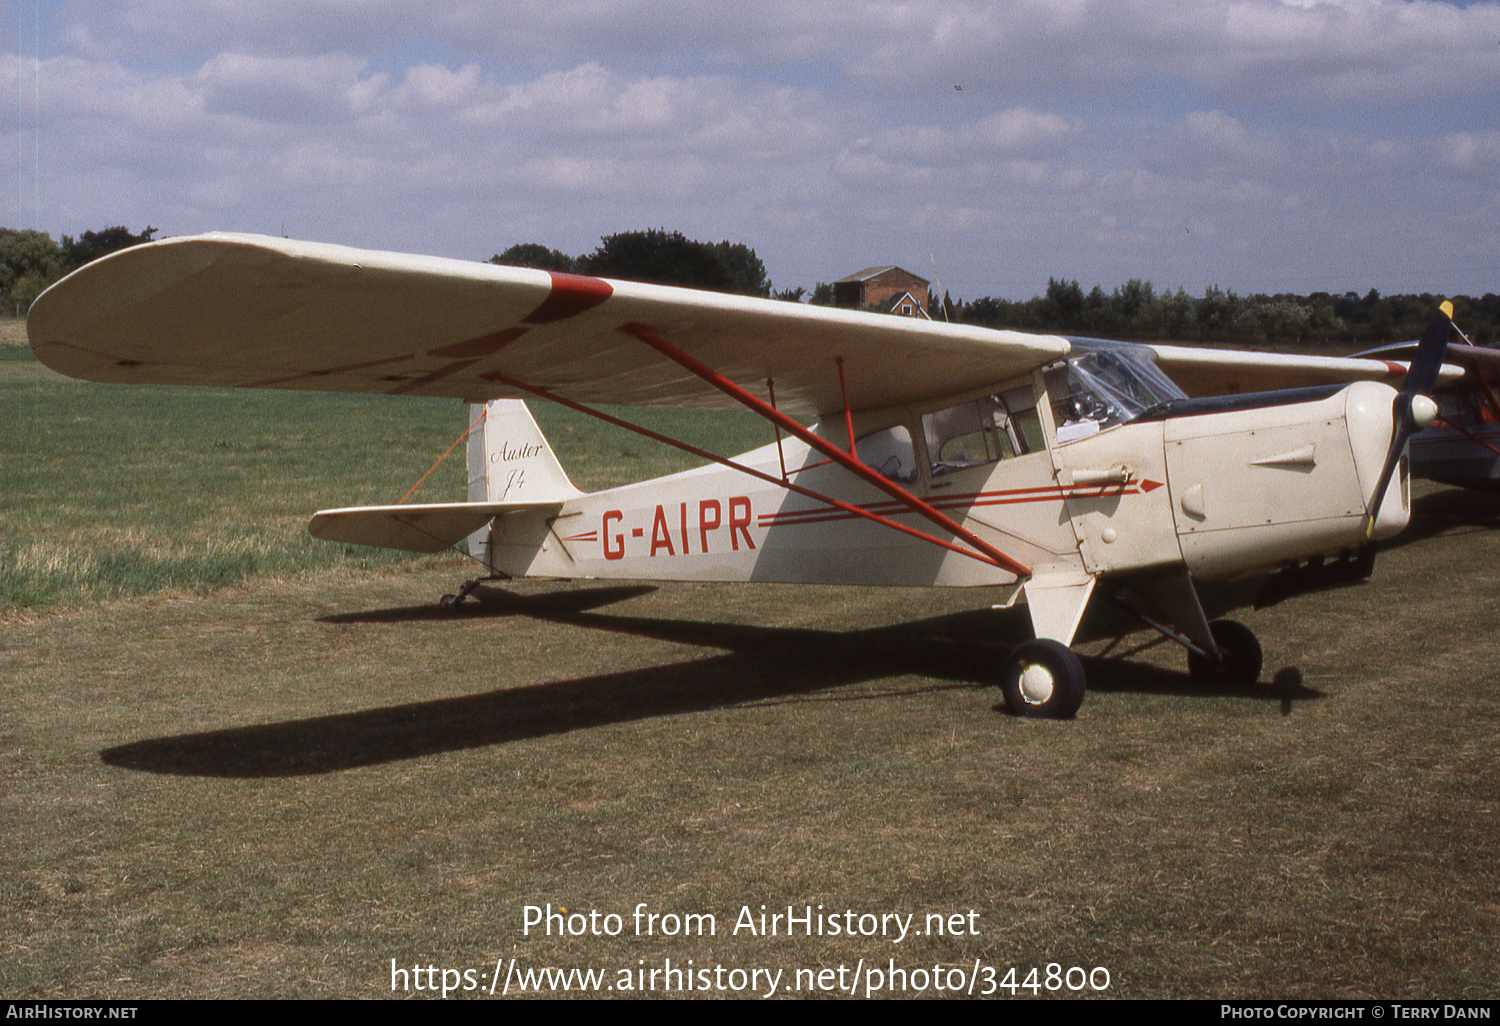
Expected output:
(510, 461)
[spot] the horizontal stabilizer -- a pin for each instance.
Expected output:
(430, 527)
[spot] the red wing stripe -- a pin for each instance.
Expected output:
(571, 295)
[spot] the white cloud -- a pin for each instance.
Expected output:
(287, 89)
(830, 137)
(1023, 129)
(1336, 50)
(1471, 152)
(73, 88)
(1357, 50)
(432, 87)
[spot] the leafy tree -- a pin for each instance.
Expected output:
(1321, 325)
(535, 255)
(991, 313)
(747, 274)
(1130, 297)
(822, 294)
(941, 309)
(1216, 312)
(658, 257)
(1064, 300)
(29, 262)
(93, 245)
(670, 258)
(1170, 315)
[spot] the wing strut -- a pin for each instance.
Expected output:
(780, 453)
(1471, 436)
(859, 511)
(483, 413)
(833, 452)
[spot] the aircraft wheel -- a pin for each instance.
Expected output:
(1043, 678)
(448, 601)
(1241, 665)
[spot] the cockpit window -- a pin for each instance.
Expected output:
(889, 452)
(982, 431)
(1104, 384)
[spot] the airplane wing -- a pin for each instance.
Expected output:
(252, 311)
(1202, 372)
(1466, 357)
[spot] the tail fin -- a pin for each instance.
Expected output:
(511, 467)
(510, 461)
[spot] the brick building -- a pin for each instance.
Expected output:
(888, 289)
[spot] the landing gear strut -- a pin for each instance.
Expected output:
(1239, 662)
(1238, 659)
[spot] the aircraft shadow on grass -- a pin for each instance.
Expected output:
(758, 665)
(1451, 510)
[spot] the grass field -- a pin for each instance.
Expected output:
(108, 491)
(284, 785)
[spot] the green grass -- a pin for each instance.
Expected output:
(109, 491)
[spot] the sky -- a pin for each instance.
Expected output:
(1253, 145)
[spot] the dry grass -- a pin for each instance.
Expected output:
(277, 789)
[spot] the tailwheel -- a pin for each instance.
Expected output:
(1043, 678)
(454, 601)
(1239, 662)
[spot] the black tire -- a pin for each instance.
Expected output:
(1241, 665)
(1043, 678)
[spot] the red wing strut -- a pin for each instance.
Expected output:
(782, 482)
(843, 459)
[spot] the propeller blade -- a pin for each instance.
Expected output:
(1401, 410)
(1423, 373)
(1420, 378)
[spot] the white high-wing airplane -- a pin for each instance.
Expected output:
(1067, 473)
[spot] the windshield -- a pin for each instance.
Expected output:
(1104, 384)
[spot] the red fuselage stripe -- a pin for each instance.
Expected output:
(542, 393)
(1051, 493)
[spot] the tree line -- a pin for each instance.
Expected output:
(1136, 311)
(656, 256)
(32, 260)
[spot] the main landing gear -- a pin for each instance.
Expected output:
(1239, 661)
(1044, 679)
